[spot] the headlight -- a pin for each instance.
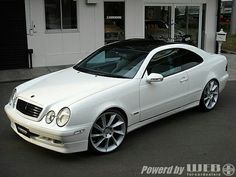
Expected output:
(12, 99)
(50, 117)
(63, 117)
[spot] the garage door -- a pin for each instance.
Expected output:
(13, 41)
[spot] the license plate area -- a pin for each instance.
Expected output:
(22, 130)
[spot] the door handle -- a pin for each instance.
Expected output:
(183, 79)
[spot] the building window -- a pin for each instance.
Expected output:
(60, 14)
(114, 18)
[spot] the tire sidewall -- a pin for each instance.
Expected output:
(90, 145)
(202, 104)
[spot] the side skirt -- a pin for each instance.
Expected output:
(158, 117)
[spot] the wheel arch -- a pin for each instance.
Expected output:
(119, 109)
(90, 141)
(211, 76)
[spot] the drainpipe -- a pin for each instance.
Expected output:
(218, 27)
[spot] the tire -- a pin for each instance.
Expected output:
(210, 95)
(108, 132)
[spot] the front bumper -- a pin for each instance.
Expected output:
(59, 139)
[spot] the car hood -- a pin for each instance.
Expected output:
(65, 85)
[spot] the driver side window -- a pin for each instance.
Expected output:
(172, 61)
(165, 63)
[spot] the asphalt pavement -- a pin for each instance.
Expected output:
(190, 137)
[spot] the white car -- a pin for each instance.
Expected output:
(118, 88)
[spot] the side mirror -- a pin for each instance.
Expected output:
(154, 77)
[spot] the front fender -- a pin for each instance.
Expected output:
(121, 96)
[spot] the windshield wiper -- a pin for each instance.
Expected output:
(111, 75)
(82, 69)
(100, 73)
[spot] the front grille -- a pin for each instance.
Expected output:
(28, 109)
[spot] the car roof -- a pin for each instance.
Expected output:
(145, 45)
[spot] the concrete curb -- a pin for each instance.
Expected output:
(224, 51)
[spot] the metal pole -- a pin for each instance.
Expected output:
(218, 23)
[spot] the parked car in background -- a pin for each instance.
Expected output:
(159, 30)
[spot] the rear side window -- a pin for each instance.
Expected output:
(172, 61)
(189, 59)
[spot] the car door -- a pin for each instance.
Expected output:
(192, 64)
(157, 98)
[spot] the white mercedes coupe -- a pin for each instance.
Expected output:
(118, 88)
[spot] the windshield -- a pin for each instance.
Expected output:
(113, 62)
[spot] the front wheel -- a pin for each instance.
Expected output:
(210, 95)
(107, 132)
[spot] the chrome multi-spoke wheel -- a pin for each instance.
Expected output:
(210, 95)
(108, 131)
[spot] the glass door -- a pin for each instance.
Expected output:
(174, 23)
(188, 23)
(158, 22)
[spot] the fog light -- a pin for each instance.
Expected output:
(57, 142)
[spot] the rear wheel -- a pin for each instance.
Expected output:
(107, 132)
(210, 95)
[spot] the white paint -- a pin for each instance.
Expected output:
(87, 96)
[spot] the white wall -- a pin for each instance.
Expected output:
(64, 48)
(67, 48)
(134, 11)
(210, 26)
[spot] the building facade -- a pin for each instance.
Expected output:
(62, 32)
